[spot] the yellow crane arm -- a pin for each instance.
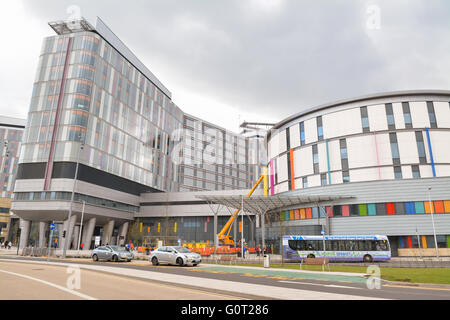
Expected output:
(226, 239)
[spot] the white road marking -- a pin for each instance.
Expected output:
(319, 284)
(52, 285)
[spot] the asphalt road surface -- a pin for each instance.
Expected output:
(35, 282)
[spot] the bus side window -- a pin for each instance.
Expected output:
(373, 245)
(362, 245)
(341, 245)
(334, 246)
(381, 245)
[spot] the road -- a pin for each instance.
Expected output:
(140, 280)
(19, 281)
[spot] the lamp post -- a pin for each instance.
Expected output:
(81, 226)
(242, 227)
(69, 235)
(432, 221)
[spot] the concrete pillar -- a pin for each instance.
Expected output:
(123, 229)
(263, 229)
(60, 234)
(108, 229)
(88, 232)
(69, 231)
(43, 227)
(25, 226)
(76, 233)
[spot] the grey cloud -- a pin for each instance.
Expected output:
(280, 61)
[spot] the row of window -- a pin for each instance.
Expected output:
(369, 209)
(344, 160)
(424, 242)
(56, 195)
(365, 120)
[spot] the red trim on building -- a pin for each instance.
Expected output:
(49, 168)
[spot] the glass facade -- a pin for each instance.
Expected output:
(129, 127)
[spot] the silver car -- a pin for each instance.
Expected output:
(175, 255)
(111, 253)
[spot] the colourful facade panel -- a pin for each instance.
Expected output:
(315, 212)
(420, 208)
(428, 207)
(372, 209)
(390, 208)
(345, 211)
(410, 208)
(362, 209)
(330, 211)
(296, 214)
(302, 213)
(439, 206)
(424, 242)
(447, 207)
(308, 213)
(291, 214)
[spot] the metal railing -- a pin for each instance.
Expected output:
(38, 252)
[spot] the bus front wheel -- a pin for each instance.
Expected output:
(368, 258)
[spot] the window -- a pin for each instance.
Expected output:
(288, 139)
(381, 209)
(390, 116)
(315, 158)
(319, 128)
(421, 147)
(431, 114)
(407, 115)
(305, 182)
(365, 119)
(345, 176)
(337, 211)
(394, 148)
(400, 208)
(344, 154)
(354, 210)
(323, 179)
(302, 133)
(398, 172)
(415, 172)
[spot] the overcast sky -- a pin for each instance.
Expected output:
(254, 60)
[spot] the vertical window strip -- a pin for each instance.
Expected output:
(302, 133)
(319, 128)
(407, 115)
(421, 147)
(365, 119)
(390, 116)
(431, 114)
(394, 148)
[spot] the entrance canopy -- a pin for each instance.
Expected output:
(267, 204)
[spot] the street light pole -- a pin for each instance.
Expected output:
(432, 221)
(242, 227)
(81, 226)
(68, 234)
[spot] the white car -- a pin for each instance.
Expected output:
(175, 255)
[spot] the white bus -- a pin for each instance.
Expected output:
(337, 248)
